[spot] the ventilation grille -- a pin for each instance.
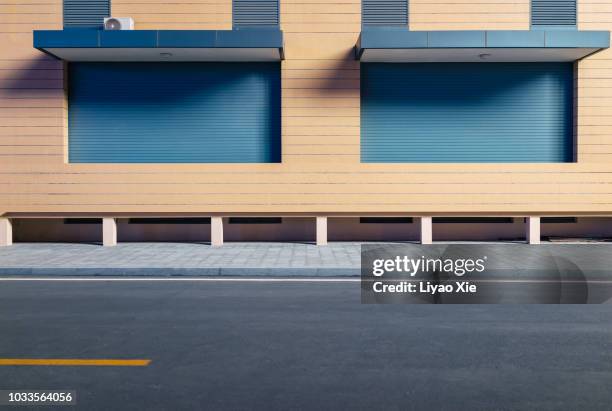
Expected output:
(549, 13)
(384, 13)
(85, 13)
(249, 13)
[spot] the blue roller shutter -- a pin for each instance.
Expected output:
(467, 112)
(384, 13)
(253, 13)
(553, 13)
(85, 13)
(174, 112)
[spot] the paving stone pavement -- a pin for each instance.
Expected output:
(180, 259)
(232, 259)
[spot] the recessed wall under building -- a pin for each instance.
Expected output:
(303, 229)
(295, 229)
(42, 230)
(373, 229)
(513, 229)
(580, 228)
(478, 229)
(164, 229)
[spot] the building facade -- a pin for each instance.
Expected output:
(305, 120)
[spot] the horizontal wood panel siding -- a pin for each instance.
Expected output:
(174, 113)
(469, 14)
(553, 13)
(86, 13)
(176, 14)
(467, 112)
(594, 98)
(255, 13)
(320, 170)
(384, 12)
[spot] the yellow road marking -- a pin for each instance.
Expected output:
(74, 362)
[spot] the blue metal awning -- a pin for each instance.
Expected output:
(161, 45)
(402, 45)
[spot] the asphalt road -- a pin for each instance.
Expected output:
(245, 345)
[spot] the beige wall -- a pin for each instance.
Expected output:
(595, 89)
(469, 14)
(320, 172)
(176, 14)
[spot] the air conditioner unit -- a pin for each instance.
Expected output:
(118, 23)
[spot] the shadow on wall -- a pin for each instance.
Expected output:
(338, 83)
(33, 92)
(208, 81)
(42, 73)
(457, 82)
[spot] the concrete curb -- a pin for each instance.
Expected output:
(180, 272)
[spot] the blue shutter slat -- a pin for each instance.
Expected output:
(466, 112)
(174, 113)
(85, 13)
(553, 13)
(248, 13)
(384, 12)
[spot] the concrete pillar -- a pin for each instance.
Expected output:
(6, 232)
(532, 228)
(109, 232)
(216, 231)
(321, 230)
(426, 230)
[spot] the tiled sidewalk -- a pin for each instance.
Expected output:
(279, 259)
(235, 259)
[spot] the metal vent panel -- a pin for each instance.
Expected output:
(85, 13)
(384, 12)
(550, 13)
(249, 13)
